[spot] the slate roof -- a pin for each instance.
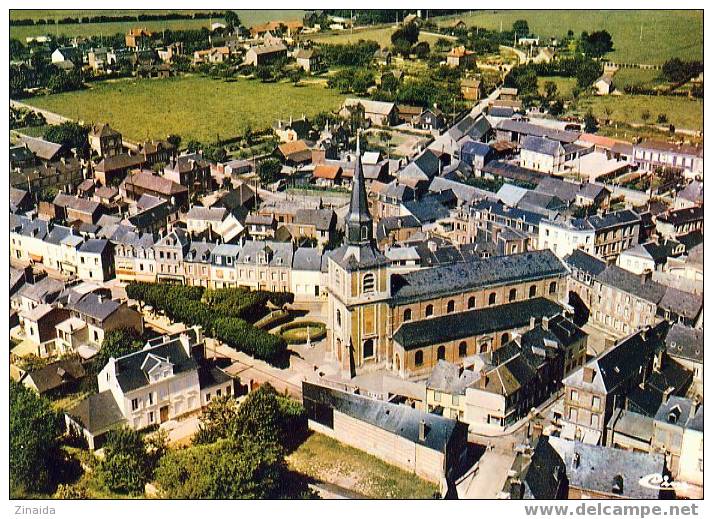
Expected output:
(397, 419)
(685, 343)
(45, 150)
(131, 376)
(510, 194)
(81, 205)
(353, 258)
(392, 223)
(94, 246)
(210, 375)
(676, 410)
(427, 210)
(119, 162)
(307, 258)
(151, 182)
(511, 213)
(634, 425)
(279, 254)
(200, 251)
(544, 476)
(682, 216)
(506, 170)
(693, 192)
(95, 306)
(98, 412)
(488, 272)
(554, 186)
(461, 325)
(56, 374)
(585, 262)
(213, 214)
(451, 378)
(541, 145)
(598, 466)
(537, 131)
(681, 303)
(43, 291)
(322, 219)
(376, 107)
(621, 361)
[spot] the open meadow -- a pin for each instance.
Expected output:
(679, 111)
(194, 107)
(248, 17)
(665, 34)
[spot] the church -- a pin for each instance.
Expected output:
(406, 323)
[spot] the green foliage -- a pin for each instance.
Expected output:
(676, 70)
(590, 122)
(408, 33)
(22, 118)
(596, 44)
(521, 28)
(357, 54)
(70, 492)
(116, 343)
(221, 313)
(353, 80)
(34, 429)
(31, 362)
(269, 170)
(71, 135)
(232, 20)
(217, 420)
(126, 466)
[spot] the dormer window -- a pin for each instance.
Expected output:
(368, 283)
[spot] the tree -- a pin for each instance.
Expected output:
(126, 466)
(232, 20)
(258, 417)
(217, 421)
(174, 140)
(34, 432)
(590, 122)
(71, 135)
(421, 50)
(116, 343)
(556, 108)
(521, 28)
(389, 83)
(269, 170)
(263, 73)
(661, 118)
(645, 116)
(607, 112)
(296, 75)
(550, 90)
(596, 44)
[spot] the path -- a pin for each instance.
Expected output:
(50, 117)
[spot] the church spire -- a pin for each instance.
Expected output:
(359, 223)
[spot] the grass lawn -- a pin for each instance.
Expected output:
(681, 112)
(247, 16)
(666, 33)
(635, 76)
(193, 107)
(564, 85)
(328, 460)
(381, 35)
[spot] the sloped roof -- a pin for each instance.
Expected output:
(56, 374)
(45, 150)
(98, 412)
(131, 376)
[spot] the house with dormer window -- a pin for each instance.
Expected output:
(168, 379)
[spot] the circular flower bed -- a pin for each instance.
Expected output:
(297, 332)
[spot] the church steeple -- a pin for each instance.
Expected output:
(359, 223)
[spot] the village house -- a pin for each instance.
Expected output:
(547, 156)
(71, 208)
(309, 60)
(45, 151)
(161, 382)
(138, 38)
(95, 260)
(65, 173)
(650, 256)
(134, 255)
(470, 88)
(264, 265)
(603, 86)
(673, 224)
(145, 182)
(684, 344)
(55, 377)
(317, 224)
(671, 422)
(197, 263)
(650, 155)
(257, 56)
(306, 279)
(460, 57)
(190, 170)
(155, 152)
(169, 252)
(289, 28)
(378, 112)
(105, 141)
(212, 55)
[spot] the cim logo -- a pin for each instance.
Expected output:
(662, 482)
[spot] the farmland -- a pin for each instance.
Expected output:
(248, 17)
(665, 34)
(680, 111)
(565, 85)
(636, 77)
(194, 107)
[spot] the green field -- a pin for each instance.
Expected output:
(327, 460)
(635, 76)
(666, 34)
(680, 111)
(193, 107)
(381, 35)
(248, 17)
(565, 85)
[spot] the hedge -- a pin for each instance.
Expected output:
(317, 336)
(221, 313)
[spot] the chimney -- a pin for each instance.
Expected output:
(575, 460)
(533, 322)
(545, 322)
(588, 374)
(422, 431)
(617, 486)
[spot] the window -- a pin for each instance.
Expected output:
(574, 396)
(150, 398)
(451, 306)
(504, 338)
(595, 420)
(419, 358)
(368, 283)
(429, 310)
(436, 396)
(339, 318)
(150, 416)
(407, 314)
(368, 348)
(512, 295)
(455, 400)
(533, 291)
(553, 287)
(596, 402)
(441, 352)
(462, 349)
(134, 404)
(471, 302)
(572, 414)
(492, 298)
(207, 397)
(218, 392)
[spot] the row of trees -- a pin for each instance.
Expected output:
(222, 314)
(357, 54)
(23, 118)
(143, 17)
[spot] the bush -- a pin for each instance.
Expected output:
(298, 338)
